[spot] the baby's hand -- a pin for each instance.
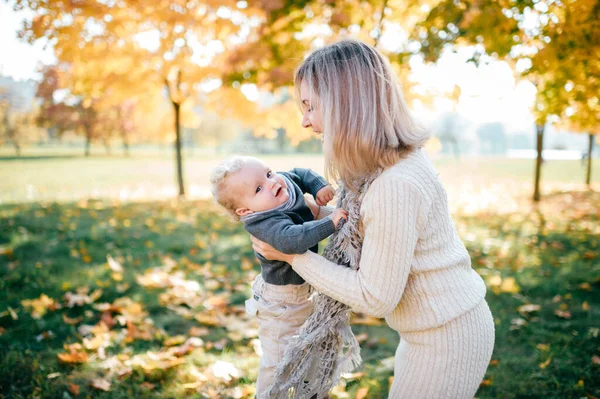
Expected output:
(338, 215)
(325, 195)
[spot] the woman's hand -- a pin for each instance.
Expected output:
(268, 252)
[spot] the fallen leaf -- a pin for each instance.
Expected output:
(147, 385)
(525, 309)
(353, 376)
(225, 370)
(543, 347)
(585, 286)
(53, 375)
(596, 359)
(362, 337)
(75, 355)
(366, 320)
(175, 340)
(74, 389)
(71, 321)
(114, 265)
(40, 306)
(509, 285)
(590, 255)
(362, 393)
(517, 323)
(546, 363)
(565, 314)
(100, 384)
(198, 331)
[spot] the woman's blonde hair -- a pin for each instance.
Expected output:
(365, 121)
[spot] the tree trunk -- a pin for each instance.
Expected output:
(125, 144)
(88, 141)
(538, 164)
(177, 108)
(588, 175)
(455, 147)
(13, 139)
(107, 146)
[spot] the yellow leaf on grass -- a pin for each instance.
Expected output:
(175, 340)
(362, 393)
(208, 319)
(198, 331)
(546, 363)
(75, 355)
(40, 306)
(543, 347)
(509, 285)
(71, 321)
(585, 286)
(366, 320)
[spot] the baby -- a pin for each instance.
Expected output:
(272, 207)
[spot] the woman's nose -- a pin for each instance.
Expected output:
(305, 121)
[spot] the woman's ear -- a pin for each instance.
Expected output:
(243, 211)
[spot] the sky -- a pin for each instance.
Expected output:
(488, 93)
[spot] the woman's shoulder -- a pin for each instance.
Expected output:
(415, 169)
(414, 172)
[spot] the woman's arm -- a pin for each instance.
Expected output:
(394, 213)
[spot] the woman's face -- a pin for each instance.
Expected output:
(311, 116)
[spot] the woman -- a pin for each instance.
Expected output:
(413, 270)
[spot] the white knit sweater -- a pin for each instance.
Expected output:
(414, 269)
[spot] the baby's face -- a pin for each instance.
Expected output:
(257, 188)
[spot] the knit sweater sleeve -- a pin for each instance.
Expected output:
(393, 212)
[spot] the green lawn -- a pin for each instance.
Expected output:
(166, 319)
(67, 176)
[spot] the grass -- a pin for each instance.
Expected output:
(186, 272)
(67, 176)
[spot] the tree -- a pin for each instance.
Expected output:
(562, 40)
(163, 44)
(16, 126)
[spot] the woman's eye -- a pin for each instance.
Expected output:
(258, 188)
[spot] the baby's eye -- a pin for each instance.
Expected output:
(269, 174)
(258, 189)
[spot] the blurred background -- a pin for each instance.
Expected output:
(110, 110)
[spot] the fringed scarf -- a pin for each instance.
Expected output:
(325, 346)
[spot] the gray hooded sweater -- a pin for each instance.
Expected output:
(290, 228)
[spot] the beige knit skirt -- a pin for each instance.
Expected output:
(445, 362)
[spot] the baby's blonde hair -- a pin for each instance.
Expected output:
(218, 182)
(366, 123)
